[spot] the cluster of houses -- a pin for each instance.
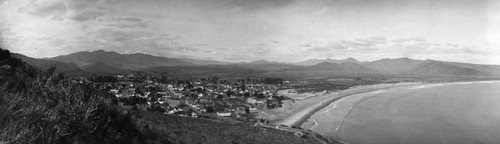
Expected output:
(195, 97)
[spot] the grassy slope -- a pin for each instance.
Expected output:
(193, 130)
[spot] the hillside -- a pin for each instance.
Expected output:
(37, 107)
(312, 62)
(394, 66)
(439, 68)
(326, 69)
(202, 62)
(492, 69)
(114, 59)
(102, 68)
(205, 70)
(266, 65)
(194, 130)
(46, 64)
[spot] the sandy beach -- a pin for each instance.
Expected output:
(298, 110)
(331, 117)
(304, 108)
(297, 103)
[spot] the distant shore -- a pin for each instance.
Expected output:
(343, 106)
(298, 111)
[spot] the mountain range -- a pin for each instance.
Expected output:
(311, 62)
(114, 59)
(110, 62)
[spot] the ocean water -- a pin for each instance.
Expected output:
(455, 113)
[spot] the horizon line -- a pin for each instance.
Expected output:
(266, 60)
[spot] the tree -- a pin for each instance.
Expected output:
(139, 91)
(60, 75)
(4, 54)
(210, 110)
(229, 93)
(155, 107)
(51, 71)
(243, 87)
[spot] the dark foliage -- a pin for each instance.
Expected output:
(38, 107)
(101, 78)
(133, 100)
(155, 107)
(272, 80)
(4, 54)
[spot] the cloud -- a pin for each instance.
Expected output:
(77, 5)
(254, 5)
(57, 42)
(378, 47)
(127, 22)
(373, 40)
(127, 19)
(72, 9)
(200, 45)
(407, 40)
(129, 26)
(321, 47)
(56, 18)
(262, 45)
(144, 41)
(2, 3)
(85, 15)
(329, 47)
(356, 43)
(44, 9)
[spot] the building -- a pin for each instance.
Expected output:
(273, 103)
(251, 100)
(241, 110)
(224, 114)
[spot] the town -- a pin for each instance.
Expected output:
(211, 97)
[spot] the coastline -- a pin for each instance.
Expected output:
(337, 110)
(298, 112)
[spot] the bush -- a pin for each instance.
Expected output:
(36, 109)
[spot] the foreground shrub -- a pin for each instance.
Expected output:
(36, 107)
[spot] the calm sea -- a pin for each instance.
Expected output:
(455, 114)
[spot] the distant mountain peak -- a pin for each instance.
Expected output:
(404, 58)
(117, 60)
(100, 51)
(258, 61)
(310, 62)
(263, 62)
(325, 63)
(351, 59)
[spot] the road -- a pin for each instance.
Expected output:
(294, 130)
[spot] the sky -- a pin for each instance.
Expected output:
(249, 30)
